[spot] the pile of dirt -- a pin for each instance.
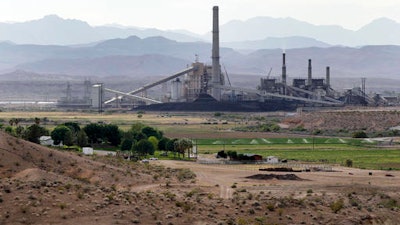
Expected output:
(274, 176)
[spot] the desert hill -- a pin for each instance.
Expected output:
(39, 185)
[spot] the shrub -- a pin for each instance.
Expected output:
(359, 134)
(217, 114)
(337, 205)
(271, 207)
(349, 163)
(185, 174)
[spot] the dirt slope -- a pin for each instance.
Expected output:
(39, 185)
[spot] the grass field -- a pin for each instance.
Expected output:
(364, 154)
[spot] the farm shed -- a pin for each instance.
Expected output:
(87, 150)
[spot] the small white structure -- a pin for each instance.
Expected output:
(272, 159)
(87, 150)
(46, 140)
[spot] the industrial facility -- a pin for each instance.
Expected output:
(201, 87)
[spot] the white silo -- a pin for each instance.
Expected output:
(176, 90)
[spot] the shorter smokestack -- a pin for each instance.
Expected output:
(309, 73)
(328, 77)
(284, 68)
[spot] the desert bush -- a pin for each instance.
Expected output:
(270, 207)
(349, 163)
(299, 128)
(185, 174)
(337, 205)
(186, 206)
(359, 134)
(390, 203)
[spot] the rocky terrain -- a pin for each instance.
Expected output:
(39, 185)
(351, 119)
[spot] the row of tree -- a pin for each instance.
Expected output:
(31, 133)
(140, 139)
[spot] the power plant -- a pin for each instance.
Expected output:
(201, 87)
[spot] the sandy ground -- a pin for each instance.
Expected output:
(226, 175)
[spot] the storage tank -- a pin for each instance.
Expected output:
(176, 90)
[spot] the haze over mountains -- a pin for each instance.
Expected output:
(53, 45)
(53, 30)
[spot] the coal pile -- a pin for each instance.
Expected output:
(275, 176)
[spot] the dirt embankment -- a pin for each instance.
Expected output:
(352, 120)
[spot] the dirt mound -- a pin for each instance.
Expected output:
(274, 176)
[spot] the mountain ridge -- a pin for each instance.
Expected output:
(55, 30)
(154, 56)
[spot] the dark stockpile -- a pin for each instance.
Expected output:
(275, 176)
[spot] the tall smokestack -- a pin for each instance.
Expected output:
(284, 68)
(309, 73)
(328, 77)
(216, 69)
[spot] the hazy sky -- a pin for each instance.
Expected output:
(195, 15)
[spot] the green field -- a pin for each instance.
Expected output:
(364, 154)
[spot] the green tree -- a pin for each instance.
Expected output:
(34, 132)
(10, 130)
(181, 145)
(154, 142)
(137, 127)
(68, 138)
(59, 134)
(139, 136)
(170, 145)
(82, 139)
(232, 154)
(73, 126)
(127, 135)
(162, 144)
(95, 132)
(37, 120)
(126, 144)
(19, 131)
(112, 134)
(150, 131)
(144, 147)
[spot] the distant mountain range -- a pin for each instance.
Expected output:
(157, 56)
(53, 30)
(255, 33)
(382, 31)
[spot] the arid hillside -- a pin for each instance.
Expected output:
(350, 119)
(39, 185)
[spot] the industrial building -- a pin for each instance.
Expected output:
(201, 87)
